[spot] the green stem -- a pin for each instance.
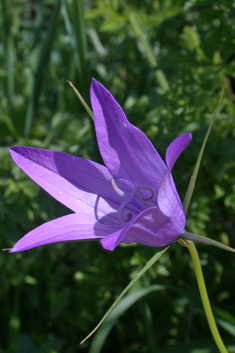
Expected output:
(192, 249)
(205, 300)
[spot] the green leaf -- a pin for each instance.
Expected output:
(227, 326)
(149, 264)
(120, 309)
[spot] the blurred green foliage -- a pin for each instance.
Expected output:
(165, 61)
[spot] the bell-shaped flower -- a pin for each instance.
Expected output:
(132, 199)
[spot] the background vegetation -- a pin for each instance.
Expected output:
(165, 62)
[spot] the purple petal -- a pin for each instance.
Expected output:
(112, 241)
(157, 226)
(73, 227)
(168, 199)
(151, 227)
(176, 147)
(126, 151)
(73, 181)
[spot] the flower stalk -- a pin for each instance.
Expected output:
(191, 247)
(203, 292)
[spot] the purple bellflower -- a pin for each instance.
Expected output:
(132, 199)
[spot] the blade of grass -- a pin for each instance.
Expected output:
(37, 79)
(227, 316)
(100, 49)
(70, 31)
(227, 326)
(150, 263)
(123, 305)
(73, 14)
(193, 179)
(39, 22)
(79, 30)
(141, 36)
(148, 325)
(9, 49)
(196, 346)
(14, 322)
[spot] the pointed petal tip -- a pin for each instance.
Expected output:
(17, 149)
(14, 250)
(176, 147)
(96, 85)
(189, 136)
(14, 151)
(185, 138)
(99, 86)
(94, 82)
(11, 149)
(109, 243)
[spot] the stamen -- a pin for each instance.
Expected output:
(144, 198)
(116, 188)
(128, 215)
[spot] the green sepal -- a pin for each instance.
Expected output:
(201, 239)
